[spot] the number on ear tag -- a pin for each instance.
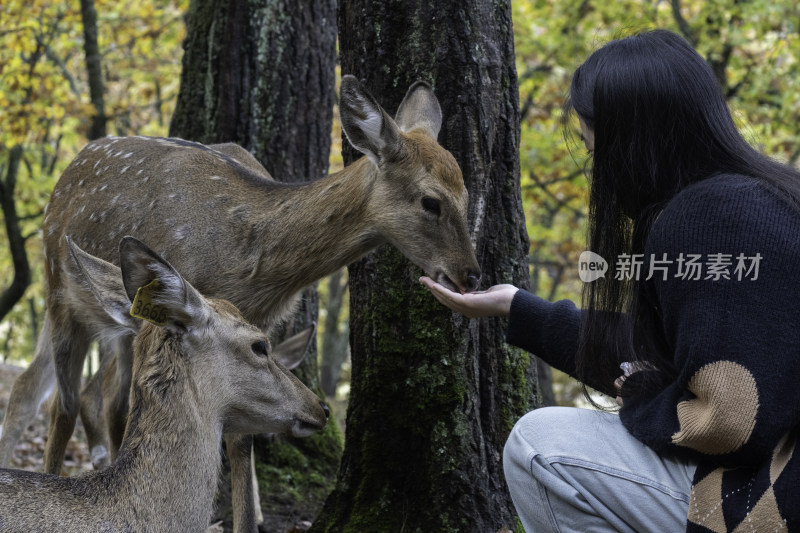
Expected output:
(144, 308)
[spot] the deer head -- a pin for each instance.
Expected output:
(227, 358)
(420, 199)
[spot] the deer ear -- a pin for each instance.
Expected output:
(420, 110)
(99, 293)
(367, 126)
(291, 352)
(157, 291)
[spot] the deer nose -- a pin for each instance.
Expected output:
(327, 411)
(473, 280)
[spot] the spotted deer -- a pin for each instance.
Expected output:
(235, 233)
(200, 371)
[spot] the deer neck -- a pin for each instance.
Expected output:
(171, 451)
(303, 233)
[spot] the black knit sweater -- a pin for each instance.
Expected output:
(735, 404)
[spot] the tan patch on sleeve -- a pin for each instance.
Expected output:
(721, 418)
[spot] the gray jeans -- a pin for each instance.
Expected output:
(578, 470)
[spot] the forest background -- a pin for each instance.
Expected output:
(48, 107)
(61, 85)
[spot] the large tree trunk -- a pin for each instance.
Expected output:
(261, 74)
(434, 394)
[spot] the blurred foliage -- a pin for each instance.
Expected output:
(753, 47)
(45, 108)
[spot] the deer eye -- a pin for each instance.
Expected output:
(260, 348)
(431, 205)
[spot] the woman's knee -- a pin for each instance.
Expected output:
(531, 434)
(553, 431)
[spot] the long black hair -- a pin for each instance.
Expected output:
(660, 124)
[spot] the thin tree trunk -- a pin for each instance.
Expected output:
(334, 347)
(94, 69)
(261, 74)
(434, 394)
(16, 241)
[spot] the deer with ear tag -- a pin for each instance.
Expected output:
(234, 233)
(198, 369)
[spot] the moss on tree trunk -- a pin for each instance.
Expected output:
(260, 73)
(433, 394)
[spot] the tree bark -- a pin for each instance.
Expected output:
(261, 74)
(16, 241)
(434, 394)
(94, 69)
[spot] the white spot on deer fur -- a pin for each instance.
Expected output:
(152, 204)
(126, 156)
(95, 147)
(82, 209)
(139, 162)
(114, 200)
(103, 187)
(139, 171)
(217, 178)
(181, 233)
(144, 179)
(124, 169)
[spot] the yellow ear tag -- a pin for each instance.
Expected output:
(144, 308)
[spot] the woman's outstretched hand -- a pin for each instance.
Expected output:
(494, 301)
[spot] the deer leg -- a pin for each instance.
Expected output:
(239, 449)
(91, 412)
(30, 390)
(256, 496)
(69, 351)
(116, 392)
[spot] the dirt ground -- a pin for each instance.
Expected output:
(29, 451)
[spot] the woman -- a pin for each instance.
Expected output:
(705, 438)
